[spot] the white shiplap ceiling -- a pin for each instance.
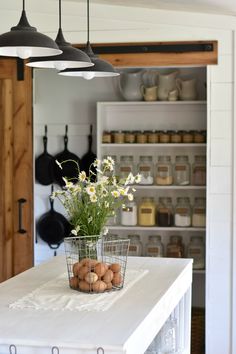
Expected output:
(223, 7)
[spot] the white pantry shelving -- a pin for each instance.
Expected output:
(159, 115)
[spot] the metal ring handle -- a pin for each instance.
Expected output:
(55, 350)
(100, 350)
(12, 346)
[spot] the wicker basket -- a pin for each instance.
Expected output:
(198, 331)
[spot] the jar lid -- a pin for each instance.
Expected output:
(176, 239)
(181, 158)
(145, 158)
(154, 238)
(165, 200)
(126, 158)
(196, 239)
(164, 158)
(199, 200)
(185, 200)
(134, 237)
(200, 158)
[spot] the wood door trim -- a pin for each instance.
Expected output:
(144, 54)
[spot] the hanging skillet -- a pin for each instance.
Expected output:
(44, 165)
(53, 227)
(89, 157)
(69, 169)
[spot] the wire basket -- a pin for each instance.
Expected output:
(96, 265)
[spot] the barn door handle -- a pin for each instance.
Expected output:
(21, 201)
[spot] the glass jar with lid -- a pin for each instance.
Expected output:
(199, 212)
(112, 220)
(199, 137)
(196, 250)
(128, 214)
(175, 137)
(164, 137)
(152, 137)
(106, 137)
(183, 213)
(154, 246)
(181, 171)
(135, 246)
(187, 137)
(129, 137)
(175, 247)
(141, 137)
(147, 212)
(199, 170)
(145, 169)
(165, 212)
(126, 166)
(119, 137)
(164, 171)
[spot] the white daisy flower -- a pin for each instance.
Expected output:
(82, 176)
(93, 198)
(110, 159)
(130, 196)
(137, 178)
(91, 190)
(115, 194)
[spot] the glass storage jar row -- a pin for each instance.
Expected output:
(174, 249)
(163, 214)
(164, 172)
(153, 136)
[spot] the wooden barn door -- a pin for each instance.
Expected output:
(16, 169)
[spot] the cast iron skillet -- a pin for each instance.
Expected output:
(44, 165)
(70, 169)
(52, 227)
(89, 157)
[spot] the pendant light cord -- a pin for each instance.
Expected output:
(23, 5)
(87, 20)
(59, 13)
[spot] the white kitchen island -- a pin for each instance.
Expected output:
(128, 326)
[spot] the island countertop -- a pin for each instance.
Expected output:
(128, 326)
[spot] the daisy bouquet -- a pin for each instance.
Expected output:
(90, 203)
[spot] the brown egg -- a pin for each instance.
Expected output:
(109, 286)
(82, 272)
(74, 282)
(117, 279)
(108, 276)
(76, 267)
(100, 269)
(83, 261)
(115, 267)
(84, 286)
(99, 286)
(91, 277)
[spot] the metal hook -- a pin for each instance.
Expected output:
(56, 350)
(100, 350)
(12, 346)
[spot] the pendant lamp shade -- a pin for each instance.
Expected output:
(70, 57)
(101, 67)
(24, 41)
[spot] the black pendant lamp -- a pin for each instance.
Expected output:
(101, 67)
(24, 41)
(70, 58)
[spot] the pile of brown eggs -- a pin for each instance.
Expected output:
(90, 275)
